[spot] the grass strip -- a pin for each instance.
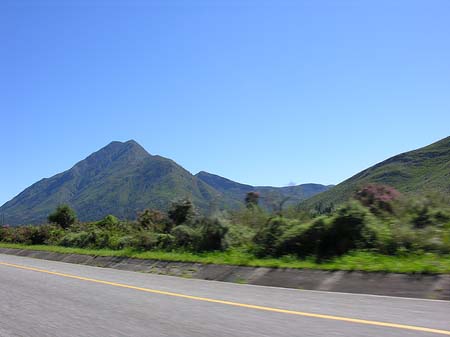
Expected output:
(427, 263)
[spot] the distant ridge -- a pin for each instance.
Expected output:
(269, 194)
(123, 178)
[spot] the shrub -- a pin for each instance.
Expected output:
(211, 234)
(95, 239)
(4, 233)
(185, 236)
(23, 234)
(255, 217)
(238, 235)
(114, 242)
(377, 197)
(350, 228)
(63, 216)
(108, 221)
(40, 235)
(385, 241)
(181, 211)
(154, 220)
(101, 239)
(423, 213)
(80, 239)
(266, 240)
(145, 240)
(126, 241)
(165, 241)
(303, 239)
(29, 235)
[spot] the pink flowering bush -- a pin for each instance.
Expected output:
(378, 197)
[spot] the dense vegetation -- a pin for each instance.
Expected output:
(378, 220)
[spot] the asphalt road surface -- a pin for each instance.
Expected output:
(45, 298)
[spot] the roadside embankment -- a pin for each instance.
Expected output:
(376, 283)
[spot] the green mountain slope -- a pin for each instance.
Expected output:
(235, 192)
(420, 171)
(122, 179)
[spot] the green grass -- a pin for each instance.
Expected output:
(362, 261)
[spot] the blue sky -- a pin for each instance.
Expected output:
(265, 93)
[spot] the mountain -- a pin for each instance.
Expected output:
(119, 179)
(123, 178)
(235, 192)
(420, 171)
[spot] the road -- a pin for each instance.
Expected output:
(46, 298)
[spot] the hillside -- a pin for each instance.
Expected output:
(119, 179)
(269, 195)
(122, 179)
(415, 172)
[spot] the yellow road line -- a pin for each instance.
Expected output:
(236, 304)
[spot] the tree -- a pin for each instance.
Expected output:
(181, 211)
(63, 216)
(251, 199)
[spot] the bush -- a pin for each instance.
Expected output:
(351, 228)
(40, 235)
(154, 220)
(181, 212)
(145, 240)
(142, 240)
(29, 235)
(4, 233)
(424, 212)
(114, 242)
(80, 239)
(185, 236)
(239, 236)
(165, 241)
(108, 221)
(254, 217)
(126, 241)
(377, 197)
(23, 234)
(266, 240)
(303, 239)
(212, 233)
(63, 216)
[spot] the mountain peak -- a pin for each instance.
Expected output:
(115, 154)
(132, 142)
(204, 173)
(127, 146)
